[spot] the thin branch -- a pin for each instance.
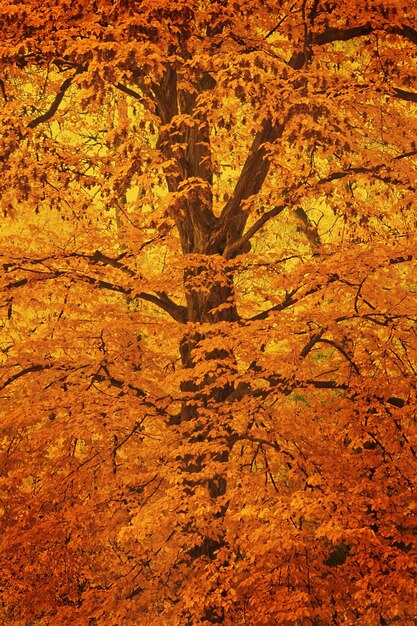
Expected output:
(401, 259)
(342, 351)
(322, 384)
(289, 299)
(129, 91)
(103, 284)
(176, 311)
(232, 248)
(286, 386)
(282, 20)
(96, 257)
(133, 431)
(26, 370)
(91, 458)
(119, 384)
(99, 257)
(259, 440)
(57, 101)
(18, 283)
(162, 300)
(405, 155)
(364, 170)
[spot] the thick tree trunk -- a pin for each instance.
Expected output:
(207, 397)
(209, 293)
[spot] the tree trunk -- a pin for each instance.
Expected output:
(206, 396)
(209, 293)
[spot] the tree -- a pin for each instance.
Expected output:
(208, 312)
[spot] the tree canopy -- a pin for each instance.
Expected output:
(208, 312)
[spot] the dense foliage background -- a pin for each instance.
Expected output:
(208, 312)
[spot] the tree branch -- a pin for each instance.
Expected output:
(3, 91)
(409, 96)
(119, 384)
(57, 101)
(103, 284)
(341, 34)
(256, 166)
(310, 345)
(251, 178)
(128, 91)
(99, 257)
(342, 351)
(26, 370)
(345, 34)
(176, 311)
(259, 440)
(281, 21)
(289, 300)
(374, 171)
(407, 32)
(235, 246)
(285, 385)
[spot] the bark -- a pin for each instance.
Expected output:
(209, 295)
(206, 394)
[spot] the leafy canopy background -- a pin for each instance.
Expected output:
(208, 301)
